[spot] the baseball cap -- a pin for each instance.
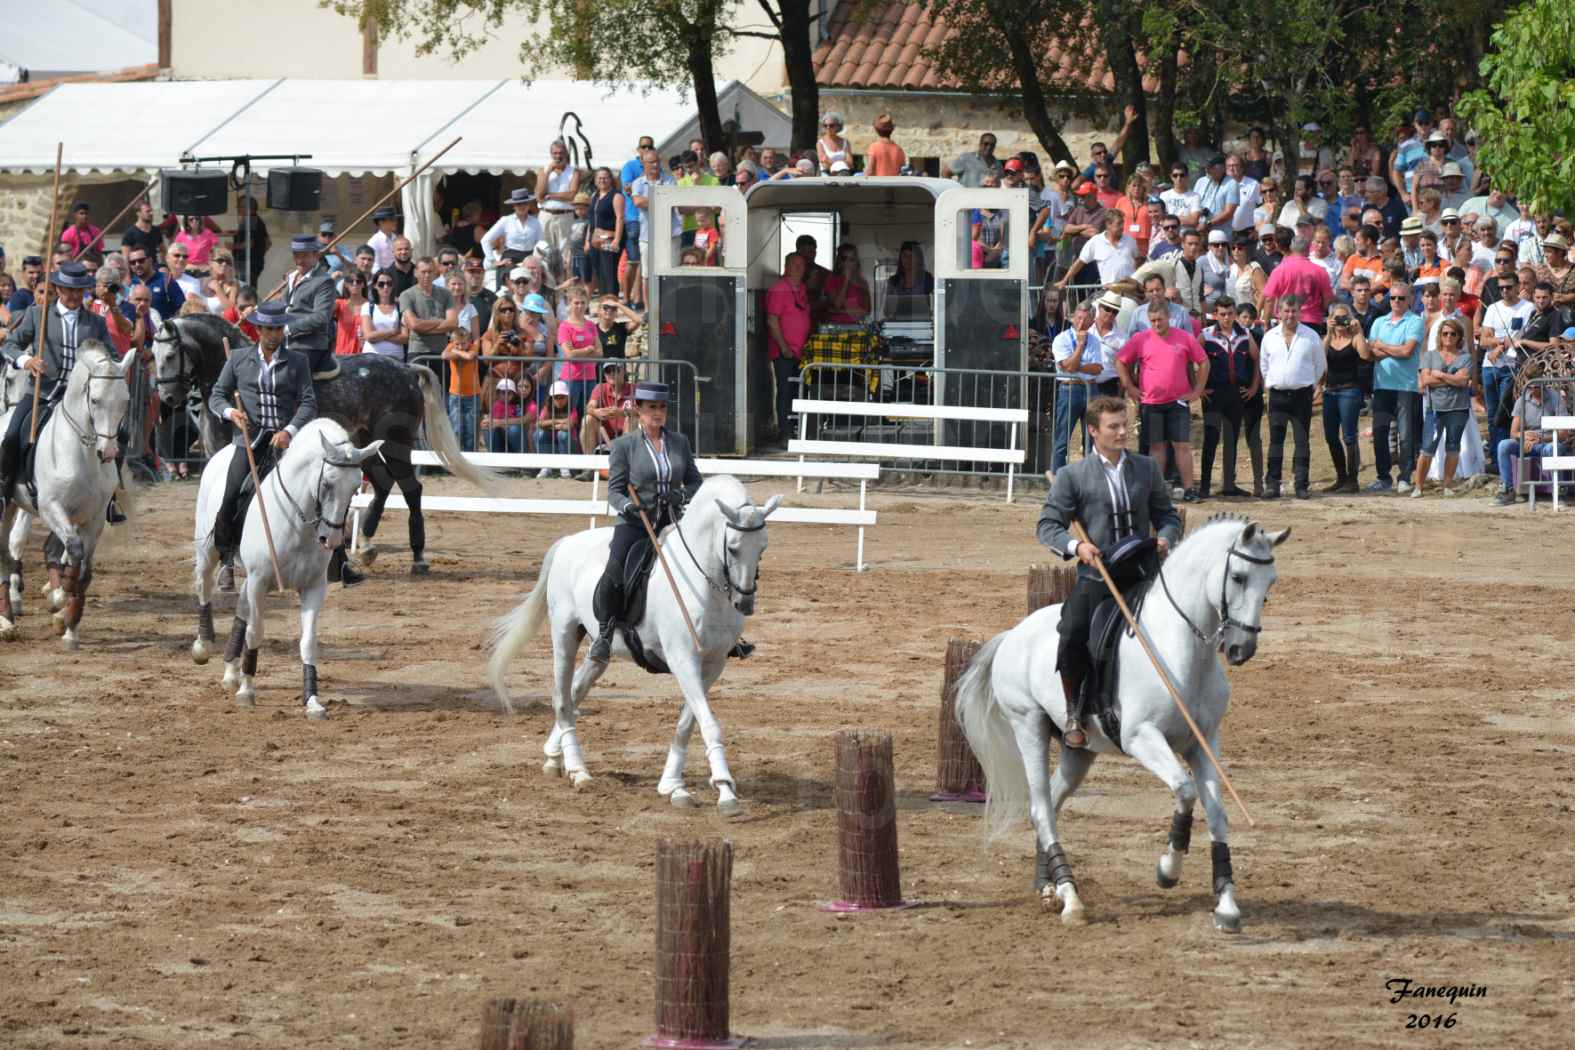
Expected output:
(1311, 127)
(1154, 198)
(508, 386)
(1306, 219)
(1085, 190)
(518, 272)
(560, 387)
(1218, 237)
(1266, 230)
(1217, 159)
(1422, 116)
(1012, 164)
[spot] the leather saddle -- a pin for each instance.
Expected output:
(1133, 564)
(636, 587)
(27, 469)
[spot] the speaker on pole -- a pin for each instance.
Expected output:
(197, 192)
(295, 189)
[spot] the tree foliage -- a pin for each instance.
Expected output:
(1525, 117)
(666, 42)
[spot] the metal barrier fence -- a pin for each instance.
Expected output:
(161, 445)
(472, 415)
(924, 385)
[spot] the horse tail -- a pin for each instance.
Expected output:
(990, 736)
(511, 631)
(441, 436)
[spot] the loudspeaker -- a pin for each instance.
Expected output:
(295, 189)
(194, 192)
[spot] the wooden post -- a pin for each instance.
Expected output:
(866, 823)
(693, 943)
(1049, 584)
(526, 1024)
(958, 776)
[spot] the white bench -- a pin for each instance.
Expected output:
(1555, 463)
(861, 517)
(1012, 456)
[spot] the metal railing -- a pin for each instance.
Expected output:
(924, 385)
(471, 414)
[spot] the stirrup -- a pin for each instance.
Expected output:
(742, 650)
(112, 513)
(601, 646)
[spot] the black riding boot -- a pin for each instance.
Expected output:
(608, 605)
(1072, 685)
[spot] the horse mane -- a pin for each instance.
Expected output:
(331, 429)
(1211, 526)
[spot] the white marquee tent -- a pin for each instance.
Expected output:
(358, 127)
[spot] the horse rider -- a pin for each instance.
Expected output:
(69, 326)
(661, 466)
(276, 401)
(1118, 496)
(309, 296)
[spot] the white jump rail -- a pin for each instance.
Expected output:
(1555, 463)
(1013, 456)
(861, 517)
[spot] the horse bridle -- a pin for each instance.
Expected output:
(301, 514)
(1226, 619)
(728, 588)
(181, 376)
(85, 435)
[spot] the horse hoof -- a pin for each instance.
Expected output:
(579, 778)
(246, 696)
(730, 807)
(315, 711)
(199, 652)
(72, 642)
(1227, 923)
(419, 567)
(1074, 915)
(59, 620)
(232, 675)
(682, 799)
(1165, 883)
(552, 768)
(368, 554)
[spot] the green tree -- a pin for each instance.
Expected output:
(1525, 117)
(662, 41)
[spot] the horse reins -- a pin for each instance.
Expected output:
(729, 588)
(1226, 619)
(301, 514)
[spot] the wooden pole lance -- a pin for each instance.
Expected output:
(43, 309)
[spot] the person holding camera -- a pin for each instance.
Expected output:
(1345, 348)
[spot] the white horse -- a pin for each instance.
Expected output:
(714, 553)
(76, 476)
(1209, 599)
(308, 495)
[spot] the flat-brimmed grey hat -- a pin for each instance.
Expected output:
(522, 196)
(650, 391)
(271, 314)
(71, 275)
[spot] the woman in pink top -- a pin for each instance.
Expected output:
(577, 338)
(846, 292)
(199, 241)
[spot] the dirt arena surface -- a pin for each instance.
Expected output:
(177, 872)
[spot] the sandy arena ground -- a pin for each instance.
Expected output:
(176, 872)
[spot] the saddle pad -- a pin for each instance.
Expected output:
(1101, 686)
(332, 373)
(26, 472)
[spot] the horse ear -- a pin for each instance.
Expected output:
(771, 505)
(328, 449)
(127, 360)
(364, 454)
(1277, 538)
(1249, 532)
(729, 513)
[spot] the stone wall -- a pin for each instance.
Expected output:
(944, 126)
(24, 212)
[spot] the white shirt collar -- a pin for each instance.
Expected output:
(1103, 462)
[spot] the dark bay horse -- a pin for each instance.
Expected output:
(372, 397)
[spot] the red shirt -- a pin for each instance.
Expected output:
(1299, 275)
(347, 329)
(1163, 362)
(789, 304)
(247, 328)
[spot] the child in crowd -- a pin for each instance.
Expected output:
(555, 425)
(513, 415)
(708, 239)
(464, 378)
(580, 261)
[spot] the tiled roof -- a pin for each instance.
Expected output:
(885, 49)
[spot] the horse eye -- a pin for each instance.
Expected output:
(1238, 577)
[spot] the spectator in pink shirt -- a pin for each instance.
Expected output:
(81, 234)
(1299, 276)
(787, 325)
(1164, 356)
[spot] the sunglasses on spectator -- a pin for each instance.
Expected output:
(1101, 174)
(1178, 174)
(1449, 333)
(385, 284)
(1170, 227)
(1451, 222)
(1505, 261)
(507, 310)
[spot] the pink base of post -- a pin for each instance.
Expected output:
(695, 1044)
(973, 794)
(841, 907)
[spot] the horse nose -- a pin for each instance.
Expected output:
(108, 451)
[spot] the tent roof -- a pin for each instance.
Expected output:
(78, 36)
(352, 126)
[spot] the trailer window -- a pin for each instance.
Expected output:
(984, 236)
(824, 226)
